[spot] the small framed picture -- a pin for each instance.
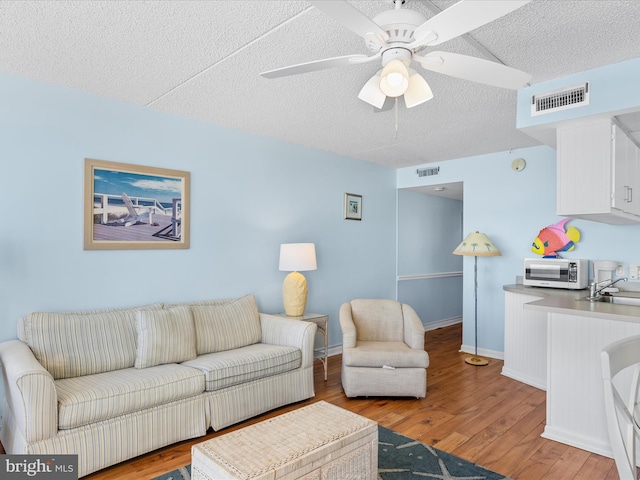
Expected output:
(352, 206)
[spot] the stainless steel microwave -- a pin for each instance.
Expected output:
(568, 273)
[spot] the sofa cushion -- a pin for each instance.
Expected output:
(165, 336)
(392, 354)
(92, 398)
(82, 343)
(228, 325)
(231, 367)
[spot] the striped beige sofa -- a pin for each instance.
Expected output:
(109, 385)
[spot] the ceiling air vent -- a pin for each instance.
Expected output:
(562, 99)
(428, 172)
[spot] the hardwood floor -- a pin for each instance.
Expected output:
(473, 412)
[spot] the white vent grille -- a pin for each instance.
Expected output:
(428, 172)
(557, 100)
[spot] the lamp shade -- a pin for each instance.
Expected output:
(297, 257)
(394, 79)
(371, 92)
(418, 91)
(477, 244)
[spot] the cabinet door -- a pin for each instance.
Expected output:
(633, 172)
(621, 169)
(584, 168)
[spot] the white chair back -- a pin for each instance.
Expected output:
(621, 376)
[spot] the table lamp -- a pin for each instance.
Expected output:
(477, 245)
(296, 258)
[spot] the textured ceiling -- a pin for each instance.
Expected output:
(202, 59)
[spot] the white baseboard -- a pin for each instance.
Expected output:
(335, 350)
(442, 323)
(595, 445)
(482, 352)
(529, 380)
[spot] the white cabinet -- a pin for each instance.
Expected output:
(598, 175)
(625, 173)
(575, 403)
(525, 341)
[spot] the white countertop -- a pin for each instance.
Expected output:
(573, 302)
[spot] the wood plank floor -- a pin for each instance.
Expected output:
(473, 412)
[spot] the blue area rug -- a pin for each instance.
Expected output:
(401, 458)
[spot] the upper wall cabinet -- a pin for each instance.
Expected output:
(598, 173)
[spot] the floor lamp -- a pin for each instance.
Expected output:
(476, 244)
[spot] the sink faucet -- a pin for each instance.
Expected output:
(596, 288)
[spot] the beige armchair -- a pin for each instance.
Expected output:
(382, 349)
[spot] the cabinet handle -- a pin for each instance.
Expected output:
(627, 195)
(630, 194)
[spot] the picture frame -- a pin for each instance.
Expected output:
(129, 206)
(352, 206)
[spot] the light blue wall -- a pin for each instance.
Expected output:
(248, 194)
(613, 88)
(510, 207)
(429, 229)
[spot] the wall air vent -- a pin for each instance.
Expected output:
(562, 99)
(428, 172)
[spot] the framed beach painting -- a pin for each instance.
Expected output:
(134, 207)
(352, 206)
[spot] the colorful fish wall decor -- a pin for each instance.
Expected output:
(556, 238)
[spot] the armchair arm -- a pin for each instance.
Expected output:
(289, 332)
(30, 390)
(349, 334)
(413, 328)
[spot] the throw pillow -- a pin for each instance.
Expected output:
(165, 336)
(227, 326)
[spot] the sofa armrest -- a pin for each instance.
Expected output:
(413, 328)
(289, 332)
(349, 334)
(30, 391)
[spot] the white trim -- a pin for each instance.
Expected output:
(442, 323)
(335, 350)
(568, 437)
(528, 379)
(482, 352)
(423, 276)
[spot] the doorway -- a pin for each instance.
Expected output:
(429, 276)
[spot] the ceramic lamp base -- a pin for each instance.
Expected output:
(476, 361)
(294, 294)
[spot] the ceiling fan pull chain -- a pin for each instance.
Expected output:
(396, 113)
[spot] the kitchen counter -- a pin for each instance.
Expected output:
(573, 302)
(545, 292)
(576, 330)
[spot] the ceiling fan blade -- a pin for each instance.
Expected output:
(461, 18)
(316, 65)
(474, 69)
(353, 19)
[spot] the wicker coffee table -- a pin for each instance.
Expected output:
(319, 441)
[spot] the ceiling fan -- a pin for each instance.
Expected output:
(398, 36)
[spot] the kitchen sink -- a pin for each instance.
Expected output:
(619, 299)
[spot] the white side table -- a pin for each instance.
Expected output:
(322, 321)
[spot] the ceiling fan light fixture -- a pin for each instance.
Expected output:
(371, 92)
(418, 91)
(394, 79)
